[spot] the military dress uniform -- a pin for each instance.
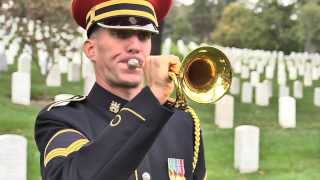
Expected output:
(104, 137)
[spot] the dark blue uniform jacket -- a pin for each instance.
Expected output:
(104, 137)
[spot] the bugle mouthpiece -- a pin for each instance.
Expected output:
(133, 63)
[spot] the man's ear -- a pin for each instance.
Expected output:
(89, 48)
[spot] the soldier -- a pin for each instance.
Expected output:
(125, 128)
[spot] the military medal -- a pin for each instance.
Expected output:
(176, 169)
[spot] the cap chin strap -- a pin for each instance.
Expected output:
(148, 27)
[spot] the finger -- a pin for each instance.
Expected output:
(174, 64)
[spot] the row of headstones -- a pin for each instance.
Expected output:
(40, 31)
(282, 78)
(224, 112)
(252, 58)
(13, 43)
(264, 91)
(244, 61)
(21, 80)
(253, 64)
(21, 87)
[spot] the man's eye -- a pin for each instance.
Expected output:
(124, 34)
(144, 36)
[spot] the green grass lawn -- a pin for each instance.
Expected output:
(285, 154)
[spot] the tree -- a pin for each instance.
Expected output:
(202, 20)
(204, 17)
(53, 15)
(269, 25)
(177, 25)
(308, 27)
(233, 26)
(279, 25)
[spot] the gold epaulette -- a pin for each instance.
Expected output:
(65, 102)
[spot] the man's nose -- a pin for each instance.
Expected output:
(134, 44)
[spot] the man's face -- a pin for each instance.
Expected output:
(114, 49)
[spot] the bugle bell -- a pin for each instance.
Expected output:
(205, 76)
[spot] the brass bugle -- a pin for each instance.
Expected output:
(204, 77)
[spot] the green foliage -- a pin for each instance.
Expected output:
(308, 28)
(177, 26)
(268, 26)
(234, 22)
(195, 22)
(202, 19)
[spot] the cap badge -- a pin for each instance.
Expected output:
(176, 169)
(114, 107)
(133, 20)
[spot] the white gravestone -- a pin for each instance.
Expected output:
(63, 63)
(24, 63)
(224, 112)
(287, 112)
(3, 62)
(20, 88)
(282, 76)
(245, 72)
(3, 58)
(43, 61)
(268, 83)
(301, 69)
(13, 157)
(54, 76)
(235, 86)
(316, 97)
(13, 50)
(297, 90)
(166, 48)
(260, 68)
(192, 46)
(237, 67)
(254, 78)
(315, 73)
(246, 92)
(182, 48)
(307, 80)
(293, 74)
(252, 64)
(74, 72)
(262, 95)
(87, 67)
(246, 148)
(269, 72)
(284, 91)
(88, 84)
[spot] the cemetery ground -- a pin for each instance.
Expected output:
(284, 153)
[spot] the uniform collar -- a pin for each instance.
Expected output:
(105, 100)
